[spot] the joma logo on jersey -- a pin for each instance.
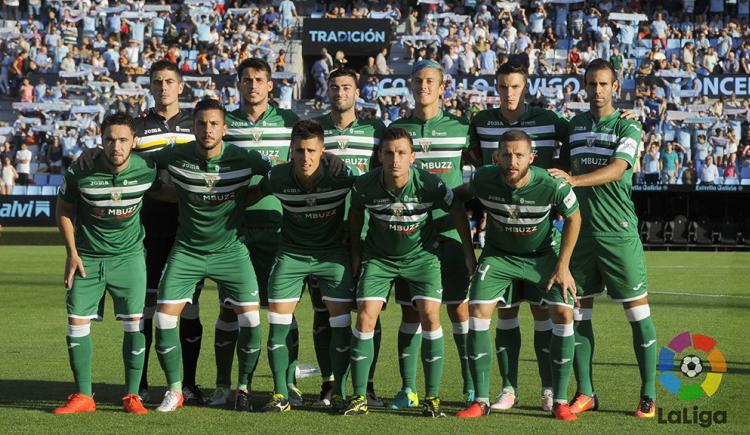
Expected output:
(594, 161)
(342, 143)
(151, 130)
(99, 183)
(425, 145)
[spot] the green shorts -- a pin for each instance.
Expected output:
(262, 244)
(124, 276)
(524, 291)
(420, 273)
(615, 262)
(230, 269)
(332, 271)
(313, 287)
(454, 275)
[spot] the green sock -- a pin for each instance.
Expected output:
(460, 337)
(562, 347)
(542, 337)
(644, 345)
(376, 344)
(341, 339)
(584, 352)
(292, 342)
(433, 360)
(361, 357)
(508, 348)
(409, 343)
(169, 353)
(80, 353)
(278, 353)
(248, 352)
(133, 353)
(322, 342)
(225, 340)
(479, 347)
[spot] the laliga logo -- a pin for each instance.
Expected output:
(691, 355)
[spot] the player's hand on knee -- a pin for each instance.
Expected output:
(563, 278)
(73, 264)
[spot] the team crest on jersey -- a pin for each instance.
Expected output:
(513, 213)
(398, 209)
(310, 202)
(590, 139)
(210, 180)
(425, 145)
(116, 195)
(342, 143)
(256, 135)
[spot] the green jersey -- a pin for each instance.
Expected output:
(108, 205)
(313, 218)
(401, 223)
(356, 144)
(270, 135)
(210, 192)
(519, 220)
(607, 209)
(545, 128)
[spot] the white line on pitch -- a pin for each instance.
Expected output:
(703, 295)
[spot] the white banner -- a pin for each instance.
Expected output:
(615, 16)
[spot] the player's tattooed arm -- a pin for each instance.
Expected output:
(458, 215)
(65, 214)
(612, 172)
(356, 221)
(562, 276)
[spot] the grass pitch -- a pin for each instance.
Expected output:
(704, 293)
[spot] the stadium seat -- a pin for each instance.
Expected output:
(745, 182)
(18, 190)
(704, 231)
(40, 179)
(652, 231)
(563, 44)
(34, 190)
(678, 230)
(34, 167)
(731, 181)
(49, 190)
(55, 179)
(728, 234)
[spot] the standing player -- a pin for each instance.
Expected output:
(400, 243)
(165, 124)
(258, 126)
(521, 244)
(312, 244)
(603, 149)
(545, 128)
(211, 180)
(98, 213)
(439, 140)
(355, 142)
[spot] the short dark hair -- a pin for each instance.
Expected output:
(395, 133)
(342, 72)
(209, 104)
(254, 63)
(164, 65)
(307, 129)
(599, 65)
(515, 135)
(512, 67)
(119, 118)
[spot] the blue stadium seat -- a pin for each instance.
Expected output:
(669, 135)
(685, 41)
(49, 190)
(18, 190)
(34, 190)
(55, 179)
(745, 182)
(731, 181)
(564, 44)
(673, 44)
(40, 179)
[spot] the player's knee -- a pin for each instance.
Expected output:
(132, 325)
(342, 321)
(636, 314)
(248, 319)
(191, 312)
(165, 321)
(582, 314)
(79, 330)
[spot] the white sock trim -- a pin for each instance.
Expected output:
(506, 324)
(132, 325)
(342, 321)
(582, 314)
(562, 329)
(248, 319)
(280, 319)
(460, 328)
(432, 335)
(477, 324)
(542, 325)
(191, 312)
(165, 321)
(636, 314)
(78, 331)
(410, 328)
(363, 335)
(226, 326)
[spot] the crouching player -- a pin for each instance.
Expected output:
(98, 213)
(521, 245)
(401, 243)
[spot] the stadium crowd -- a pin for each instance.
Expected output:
(87, 56)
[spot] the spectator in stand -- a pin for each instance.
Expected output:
(710, 173)
(381, 62)
(288, 13)
(9, 177)
(23, 164)
(320, 71)
(26, 92)
(670, 165)
(651, 164)
(719, 144)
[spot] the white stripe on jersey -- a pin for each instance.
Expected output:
(493, 144)
(411, 206)
(304, 197)
(598, 136)
(517, 221)
(441, 140)
(138, 188)
(358, 139)
(253, 130)
(350, 152)
(497, 131)
(111, 202)
(165, 136)
(520, 208)
(321, 207)
(392, 218)
(264, 143)
(591, 150)
(205, 189)
(438, 154)
(229, 175)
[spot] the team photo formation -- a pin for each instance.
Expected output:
(268, 205)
